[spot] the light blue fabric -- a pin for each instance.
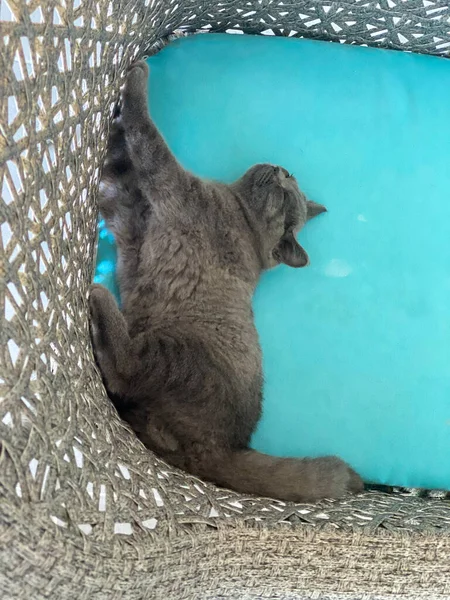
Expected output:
(105, 269)
(357, 346)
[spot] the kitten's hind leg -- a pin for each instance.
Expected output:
(124, 207)
(111, 342)
(126, 212)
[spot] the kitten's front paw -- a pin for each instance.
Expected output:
(137, 77)
(140, 65)
(134, 94)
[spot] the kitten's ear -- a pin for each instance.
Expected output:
(290, 252)
(314, 209)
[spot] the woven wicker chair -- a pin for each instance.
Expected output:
(87, 512)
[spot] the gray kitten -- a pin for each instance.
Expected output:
(182, 361)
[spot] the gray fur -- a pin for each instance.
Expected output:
(182, 361)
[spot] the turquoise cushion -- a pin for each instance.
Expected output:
(357, 346)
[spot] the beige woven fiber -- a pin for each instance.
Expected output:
(86, 511)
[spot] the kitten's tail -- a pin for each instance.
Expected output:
(298, 480)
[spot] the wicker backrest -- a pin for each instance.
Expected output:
(87, 510)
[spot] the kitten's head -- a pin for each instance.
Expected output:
(281, 210)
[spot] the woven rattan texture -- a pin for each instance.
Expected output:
(74, 480)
